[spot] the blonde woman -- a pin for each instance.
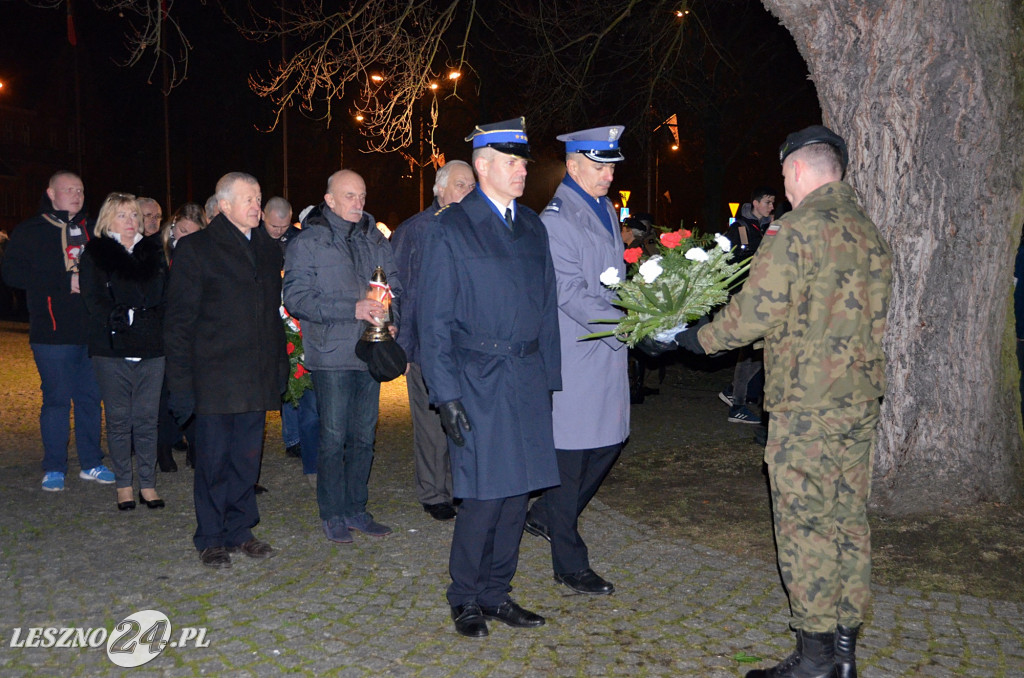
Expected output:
(123, 277)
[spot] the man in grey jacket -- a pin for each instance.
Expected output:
(591, 412)
(326, 274)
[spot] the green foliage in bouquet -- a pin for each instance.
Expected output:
(682, 283)
(299, 380)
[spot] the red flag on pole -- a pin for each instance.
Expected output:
(72, 37)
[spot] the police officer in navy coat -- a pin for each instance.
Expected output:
(490, 357)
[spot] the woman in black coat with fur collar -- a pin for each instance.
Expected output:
(123, 277)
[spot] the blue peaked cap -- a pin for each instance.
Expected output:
(508, 136)
(600, 144)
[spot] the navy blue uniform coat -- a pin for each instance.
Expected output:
(490, 285)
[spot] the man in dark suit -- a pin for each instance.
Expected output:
(226, 363)
(489, 349)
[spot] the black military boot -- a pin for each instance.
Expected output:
(814, 658)
(846, 645)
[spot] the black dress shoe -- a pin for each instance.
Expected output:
(442, 511)
(153, 504)
(126, 505)
(586, 581)
(513, 615)
(469, 620)
(536, 529)
(259, 489)
(215, 556)
(293, 451)
(254, 548)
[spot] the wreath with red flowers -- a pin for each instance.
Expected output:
(299, 380)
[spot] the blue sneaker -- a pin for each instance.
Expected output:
(365, 523)
(742, 415)
(725, 395)
(101, 474)
(53, 481)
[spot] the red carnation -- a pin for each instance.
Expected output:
(672, 240)
(300, 371)
(291, 348)
(686, 233)
(632, 255)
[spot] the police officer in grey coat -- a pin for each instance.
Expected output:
(591, 412)
(488, 336)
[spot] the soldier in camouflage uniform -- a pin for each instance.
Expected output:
(818, 294)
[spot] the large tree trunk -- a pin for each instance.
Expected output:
(929, 97)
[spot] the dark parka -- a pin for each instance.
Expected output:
(327, 271)
(34, 262)
(488, 332)
(112, 278)
(223, 334)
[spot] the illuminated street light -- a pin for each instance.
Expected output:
(433, 86)
(359, 117)
(454, 75)
(377, 78)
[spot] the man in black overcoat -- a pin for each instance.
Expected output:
(226, 363)
(489, 348)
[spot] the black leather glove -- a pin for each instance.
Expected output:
(688, 339)
(182, 407)
(454, 421)
(655, 348)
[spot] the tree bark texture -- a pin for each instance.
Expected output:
(929, 96)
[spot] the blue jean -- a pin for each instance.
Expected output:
(302, 425)
(66, 374)
(348, 402)
(290, 424)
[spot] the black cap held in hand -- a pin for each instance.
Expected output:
(386, 360)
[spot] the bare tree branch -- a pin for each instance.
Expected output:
(378, 56)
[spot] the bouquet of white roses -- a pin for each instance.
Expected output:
(668, 290)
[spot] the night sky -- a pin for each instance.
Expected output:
(215, 120)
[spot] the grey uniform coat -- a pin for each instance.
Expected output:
(592, 409)
(488, 332)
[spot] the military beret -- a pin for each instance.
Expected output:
(815, 134)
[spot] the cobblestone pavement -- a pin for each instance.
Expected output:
(377, 608)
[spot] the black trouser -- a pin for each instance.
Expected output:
(227, 463)
(559, 508)
(485, 550)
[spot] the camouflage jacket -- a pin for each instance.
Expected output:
(818, 293)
